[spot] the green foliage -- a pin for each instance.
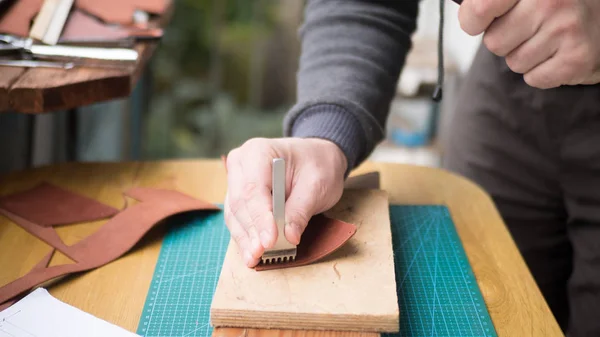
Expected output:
(203, 76)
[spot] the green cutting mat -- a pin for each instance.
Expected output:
(437, 291)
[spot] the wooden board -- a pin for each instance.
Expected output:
(354, 289)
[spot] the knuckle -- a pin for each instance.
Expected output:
(256, 143)
(493, 43)
(300, 217)
(235, 205)
(531, 80)
(319, 187)
(538, 80)
(233, 154)
(550, 6)
(231, 158)
(569, 26)
(257, 218)
(249, 190)
(514, 62)
(238, 237)
(582, 58)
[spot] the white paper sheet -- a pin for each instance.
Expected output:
(39, 314)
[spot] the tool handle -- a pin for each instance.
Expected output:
(83, 53)
(278, 182)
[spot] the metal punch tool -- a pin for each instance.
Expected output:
(283, 250)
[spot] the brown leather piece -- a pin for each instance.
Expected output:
(120, 11)
(117, 236)
(19, 16)
(48, 205)
(46, 234)
(82, 26)
(17, 19)
(39, 266)
(322, 236)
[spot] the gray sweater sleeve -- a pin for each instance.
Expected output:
(352, 55)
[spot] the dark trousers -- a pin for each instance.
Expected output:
(537, 153)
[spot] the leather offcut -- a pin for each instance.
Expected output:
(322, 236)
(116, 237)
(47, 205)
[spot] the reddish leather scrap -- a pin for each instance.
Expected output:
(47, 205)
(82, 26)
(120, 11)
(17, 19)
(117, 236)
(322, 237)
(19, 16)
(39, 266)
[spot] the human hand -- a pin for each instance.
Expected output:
(551, 42)
(314, 183)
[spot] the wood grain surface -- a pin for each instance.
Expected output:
(316, 296)
(8, 76)
(117, 291)
(39, 90)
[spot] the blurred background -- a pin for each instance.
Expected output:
(224, 72)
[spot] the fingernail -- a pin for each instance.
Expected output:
(265, 238)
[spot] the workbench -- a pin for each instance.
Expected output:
(41, 90)
(116, 292)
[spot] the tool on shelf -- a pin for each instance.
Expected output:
(26, 47)
(50, 21)
(283, 250)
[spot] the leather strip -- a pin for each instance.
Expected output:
(46, 234)
(322, 236)
(117, 236)
(48, 205)
(121, 11)
(84, 27)
(19, 16)
(39, 266)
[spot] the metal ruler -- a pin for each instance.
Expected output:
(437, 291)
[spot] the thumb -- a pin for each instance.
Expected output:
(303, 202)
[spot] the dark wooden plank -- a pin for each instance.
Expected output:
(42, 90)
(8, 75)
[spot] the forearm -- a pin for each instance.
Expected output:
(352, 54)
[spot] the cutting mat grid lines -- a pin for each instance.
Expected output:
(437, 291)
(185, 276)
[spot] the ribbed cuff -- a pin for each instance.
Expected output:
(333, 123)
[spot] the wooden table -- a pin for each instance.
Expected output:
(117, 291)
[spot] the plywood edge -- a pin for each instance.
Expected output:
(223, 318)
